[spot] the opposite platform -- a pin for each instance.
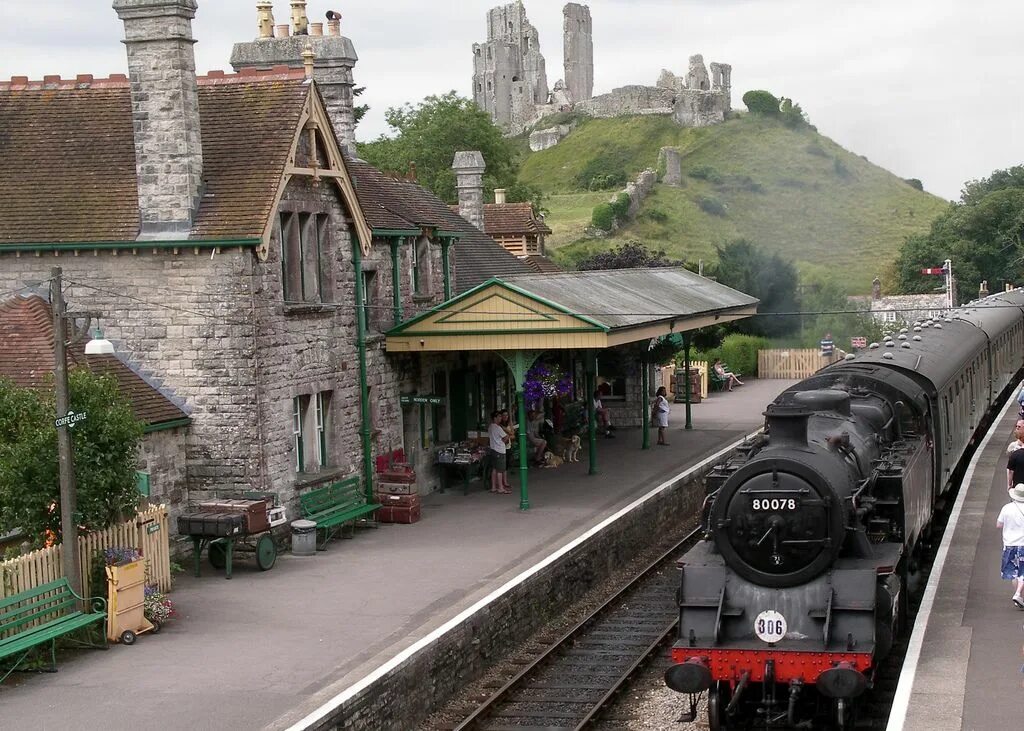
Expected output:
(246, 652)
(962, 669)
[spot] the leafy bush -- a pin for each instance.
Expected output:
(815, 149)
(737, 351)
(630, 255)
(762, 102)
(620, 206)
(705, 172)
(711, 205)
(745, 183)
(841, 170)
(603, 217)
(607, 169)
(792, 115)
(914, 183)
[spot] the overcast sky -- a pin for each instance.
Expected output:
(929, 89)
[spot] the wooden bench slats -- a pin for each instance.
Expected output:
(335, 504)
(41, 615)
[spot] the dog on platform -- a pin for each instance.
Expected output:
(551, 460)
(571, 453)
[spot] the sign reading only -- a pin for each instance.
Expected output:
(69, 420)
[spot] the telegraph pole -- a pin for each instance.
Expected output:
(68, 489)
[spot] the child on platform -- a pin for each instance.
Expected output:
(1011, 522)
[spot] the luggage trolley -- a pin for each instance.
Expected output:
(229, 526)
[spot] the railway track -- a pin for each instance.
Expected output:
(575, 679)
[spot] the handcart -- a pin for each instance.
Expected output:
(126, 599)
(229, 526)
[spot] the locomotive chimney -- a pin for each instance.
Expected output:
(787, 425)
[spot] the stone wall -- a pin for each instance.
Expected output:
(401, 698)
(629, 100)
(162, 455)
(542, 139)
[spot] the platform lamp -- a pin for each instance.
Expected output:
(99, 345)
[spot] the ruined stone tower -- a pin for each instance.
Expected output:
(334, 57)
(578, 51)
(509, 76)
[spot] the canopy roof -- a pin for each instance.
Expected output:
(596, 309)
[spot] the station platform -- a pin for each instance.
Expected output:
(962, 670)
(263, 649)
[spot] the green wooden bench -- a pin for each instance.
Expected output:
(43, 614)
(336, 505)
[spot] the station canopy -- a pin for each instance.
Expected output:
(570, 310)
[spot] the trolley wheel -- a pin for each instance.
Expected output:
(266, 552)
(218, 553)
(156, 626)
(718, 699)
(127, 637)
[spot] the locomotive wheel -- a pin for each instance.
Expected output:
(718, 699)
(218, 554)
(266, 552)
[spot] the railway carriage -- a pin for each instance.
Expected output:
(797, 592)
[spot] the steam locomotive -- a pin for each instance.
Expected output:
(798, 590)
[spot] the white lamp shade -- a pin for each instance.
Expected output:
(99, 346)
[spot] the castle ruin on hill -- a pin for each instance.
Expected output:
(510, 80)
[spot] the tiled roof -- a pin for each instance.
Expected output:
(26, 340)
(391, 204)
(512, 219)
(542, 265)
(67, 156)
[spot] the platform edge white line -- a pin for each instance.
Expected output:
(901, 699)
(359, 686)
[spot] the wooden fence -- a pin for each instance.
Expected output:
(793, 362)
(148, 533)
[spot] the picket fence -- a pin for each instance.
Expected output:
(793, 362)
(148, 533)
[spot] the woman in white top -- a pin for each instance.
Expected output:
(1011, 522)
(659, 414)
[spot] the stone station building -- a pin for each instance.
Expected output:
(255, 272)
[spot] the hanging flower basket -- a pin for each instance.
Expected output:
(546, 380)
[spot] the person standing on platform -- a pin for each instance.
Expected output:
(659, 414)
(1018, 438)
(1015, 466)
(1011, 523)
(499, 446)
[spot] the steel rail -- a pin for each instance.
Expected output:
(606, 612)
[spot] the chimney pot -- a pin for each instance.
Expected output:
(283, 30)
(499, 196)
(300, 22)
(316, 29)
(876, 289)
(265, 18)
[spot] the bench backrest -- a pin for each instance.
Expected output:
(36, 606)
(344, 494)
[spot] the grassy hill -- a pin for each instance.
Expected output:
(792, 191)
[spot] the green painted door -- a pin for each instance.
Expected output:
(462, 412)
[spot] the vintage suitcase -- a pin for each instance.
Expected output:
(254, 512)
(389, 514)
(396, 488)
(214, 525)
(398, 501)
(398, 473)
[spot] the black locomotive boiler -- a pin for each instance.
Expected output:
(797, 592)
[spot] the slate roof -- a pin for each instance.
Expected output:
(392, 204)
(26, 340)
(67, 156)
(623, 298)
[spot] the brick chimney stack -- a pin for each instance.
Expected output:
(165, 113)
(469, 179)
(334, 55)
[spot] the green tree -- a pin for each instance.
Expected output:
(769, 277)
(982, 233)
(630, 255)
(430, 134)
(105, 447)
(762, 102)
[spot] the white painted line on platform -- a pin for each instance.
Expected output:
(410, 651)
(901, 701)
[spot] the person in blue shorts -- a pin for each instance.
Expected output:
(1011, 523)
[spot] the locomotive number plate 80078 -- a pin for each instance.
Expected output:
(775, 503)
